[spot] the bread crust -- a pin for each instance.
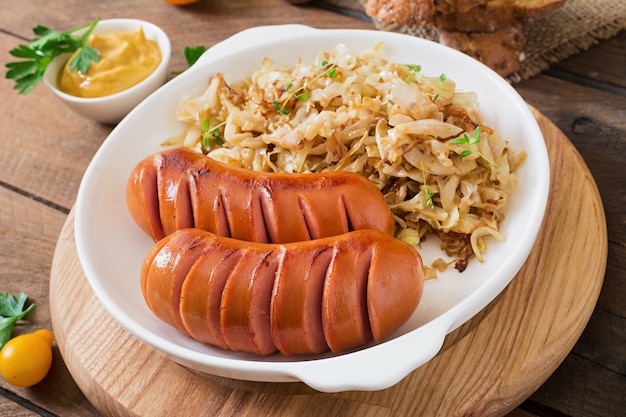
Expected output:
(493, 15)
(488, 30)
(500, 50)
(402, 12)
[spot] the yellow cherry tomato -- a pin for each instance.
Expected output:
(26, 359)
(181, 2)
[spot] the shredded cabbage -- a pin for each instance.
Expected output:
(419, 140)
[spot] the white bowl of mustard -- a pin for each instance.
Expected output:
(134, 60)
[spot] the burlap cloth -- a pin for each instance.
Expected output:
(571, 29)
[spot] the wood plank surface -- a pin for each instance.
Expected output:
(30, 227)
(44, 149)
(13, 409)
(592, 379)
(601, 67)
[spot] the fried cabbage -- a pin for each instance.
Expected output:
(422, 142)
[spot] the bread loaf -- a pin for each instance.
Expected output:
(402, 12)
(488, 30)
(489, 15)
(500, 50)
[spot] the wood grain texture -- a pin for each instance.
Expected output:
(9, 408)
(486, 367)
(592, 380)
(585, 66)
(40, 147)
(44, 149)
(27, 226)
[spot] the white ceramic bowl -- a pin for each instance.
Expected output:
(111, 247)
(111, 109)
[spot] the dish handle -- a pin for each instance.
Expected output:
(370, 371)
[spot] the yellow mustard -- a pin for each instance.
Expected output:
(125, 60)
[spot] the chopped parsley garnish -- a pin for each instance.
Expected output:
(301, 93)
(472, 141)
(211, 135)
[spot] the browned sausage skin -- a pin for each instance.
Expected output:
(180, 188)
(306, 297)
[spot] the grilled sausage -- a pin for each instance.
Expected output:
(179, 188)
(306, 297)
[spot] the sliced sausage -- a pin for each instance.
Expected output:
(344, 304)
(297, 301)
(173, 190)
(163, 275)
(384, 284)
(180, 188)
(142, 197)
(201, 294)
(305, 297)
(245, 304)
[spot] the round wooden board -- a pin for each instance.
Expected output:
(486, 367)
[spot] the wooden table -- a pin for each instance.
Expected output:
(45, 148)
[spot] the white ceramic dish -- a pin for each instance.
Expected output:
(111, 109)
(111, 247)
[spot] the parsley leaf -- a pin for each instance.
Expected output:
(37, 55)
(84, 58)
(193, 53)
(11, 310)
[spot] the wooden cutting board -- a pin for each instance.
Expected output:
(485, 368)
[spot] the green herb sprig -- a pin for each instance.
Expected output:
(39, 53)
(472, 141)
(11, 310)
(300, 93)
(414, 70)
(210, 134)
(427, 191)
(191, 54)
(442, 80)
